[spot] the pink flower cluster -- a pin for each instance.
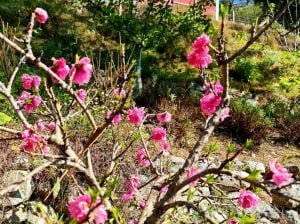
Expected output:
(60, 67)
(41, 16)
(80, 72)
(199, 56)
(212, 99)
(119, 94)
(30, 82)
(142, 158)
(81, 93)
(28, 101)
(132, 183)
(164, 117)
(82, 206)
(43, 126)
(247, 199)
(116, 119)
(281, 176)
(136, 115)
(33, 142)
(191, 172)
(159, 134)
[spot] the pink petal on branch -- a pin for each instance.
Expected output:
(209, 103)
(82, 71)
(247, 199)
(27, 81)
(36, 81)
(80, 207)
(41, 16)
(60, 67)
(191, 172)
(281, 176)
(99, 215)
(136, 115)
(164, 117)
(158, 134)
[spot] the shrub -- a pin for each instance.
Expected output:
(245, 70)
(286, 119)
(247, 122)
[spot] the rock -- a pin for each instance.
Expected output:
(228, 183)
(21, 162)
(31, 213)
(176, 160)
(22, 192)
(175, 163)
(292, 217)
(16, 215)
(264, 210)
(282, 197)
(252, 165)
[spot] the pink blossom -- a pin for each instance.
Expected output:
(27, 81)
(201, 43)
(224, 113)
(142, 158)
(165, 146)
(81, 93)
(142, 203)
(32, 142)
(133, 222)
(191, 172)
(132, 181)
(32, 103)
(41, 125)
(82, 71)
(99, 215)
(158, 134)
(199, 60)
(214, 87)
(232, 221)
(51, 126)
(209, 103)
(132, 184)
(117, 93)
(136, 115)
(26, 133)
(41, 15)
(128, 195)
(281, 176)
(164, 117)
(164, 189)
(80, 207)
(36, 81)
(247, 199)
(116, 119)
(60, 67)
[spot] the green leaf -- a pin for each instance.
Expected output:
(248, 219)
(213, 147)
(2, 97)
(211, 178)
(56, 188)
(254, 175)
(190, 194)
(4, 118)
(249, 144)
(230, 148)
(224, 9)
